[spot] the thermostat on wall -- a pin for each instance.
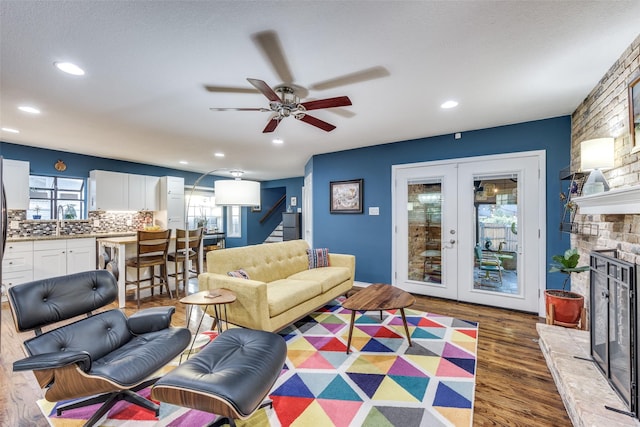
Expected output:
(374, 210)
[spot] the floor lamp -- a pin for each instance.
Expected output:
(228, 192)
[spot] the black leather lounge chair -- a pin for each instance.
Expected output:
(106, 355)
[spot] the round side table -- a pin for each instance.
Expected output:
(218, 298)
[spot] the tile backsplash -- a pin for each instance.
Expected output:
(98, 222)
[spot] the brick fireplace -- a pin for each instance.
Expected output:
(605, 113)
(616, 215)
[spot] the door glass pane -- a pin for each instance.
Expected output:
(496, 234)
(425, 231)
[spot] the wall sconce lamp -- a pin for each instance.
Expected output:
(595, 155)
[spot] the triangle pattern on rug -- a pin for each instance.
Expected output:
(382, 382)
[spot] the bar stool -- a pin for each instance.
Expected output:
(152, 248)
(188, 246)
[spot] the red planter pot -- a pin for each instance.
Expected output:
(567, 307)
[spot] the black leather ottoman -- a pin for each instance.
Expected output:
(230, 377)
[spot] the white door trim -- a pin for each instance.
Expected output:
(542, 209)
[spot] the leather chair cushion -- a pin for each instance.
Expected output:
(61, 298)
(98, 335)
(149, 351)
(115, 353)
(240, 366)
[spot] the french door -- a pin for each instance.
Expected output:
(471, 229)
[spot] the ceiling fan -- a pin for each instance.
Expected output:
(284, 102)
(284, 99)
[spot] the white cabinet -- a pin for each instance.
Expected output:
(15, 175)
(17, 264)
(116, 191)
(171, 214)
(108, 191)
(53, 258)
(143, 192)
(81, 255)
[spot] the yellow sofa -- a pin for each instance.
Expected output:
(281, 288)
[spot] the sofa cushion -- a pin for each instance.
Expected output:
(285, 294)
(328, 277)
(318, 257)
(265, 262)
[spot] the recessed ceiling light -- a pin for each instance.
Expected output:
(219, 154)
(10, 130)
(183, 162)
(277, 141)
(449, 104)
(27, 109)
(69, 68)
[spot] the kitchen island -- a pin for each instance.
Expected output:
(117, 250)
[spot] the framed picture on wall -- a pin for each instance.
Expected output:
(346, 196)
(634, 113)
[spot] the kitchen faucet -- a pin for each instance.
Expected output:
(60, 219)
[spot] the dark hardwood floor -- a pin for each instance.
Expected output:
(514, 386)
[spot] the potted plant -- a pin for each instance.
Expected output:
(564, 307)
(37, 215)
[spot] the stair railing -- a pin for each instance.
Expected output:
(273, 208)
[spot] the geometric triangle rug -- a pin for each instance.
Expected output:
(382, 382)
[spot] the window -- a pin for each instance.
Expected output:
(234, 221)
(203, 211)
(53, 196)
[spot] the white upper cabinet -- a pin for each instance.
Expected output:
(15, 175)
(171, 214)
(143, 192)
(108, 191)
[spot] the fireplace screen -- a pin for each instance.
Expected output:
(613, 323)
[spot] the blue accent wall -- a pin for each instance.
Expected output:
(369, 237)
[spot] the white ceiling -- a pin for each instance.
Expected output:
(144, 99)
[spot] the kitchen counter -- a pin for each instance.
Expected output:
(72, 236)
(119, 249)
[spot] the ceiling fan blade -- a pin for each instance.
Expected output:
(269, 44)
(264, 110)
(229, 89)
(339, 101)
(347, 79)
(316, 122)
(272, 125)
(265, 89)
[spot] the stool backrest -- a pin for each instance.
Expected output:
(153, 242)
(189, 239)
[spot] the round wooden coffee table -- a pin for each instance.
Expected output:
(218, 298)
(378, 297)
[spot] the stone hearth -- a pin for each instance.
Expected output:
(583, 388)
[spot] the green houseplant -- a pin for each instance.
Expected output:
(563, 307)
